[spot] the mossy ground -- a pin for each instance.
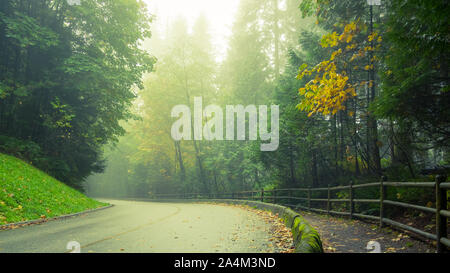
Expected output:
(27, 193)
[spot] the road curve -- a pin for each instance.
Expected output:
(145, 227)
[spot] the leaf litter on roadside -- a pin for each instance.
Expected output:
(281, 239)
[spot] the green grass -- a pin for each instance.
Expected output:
(27, 193)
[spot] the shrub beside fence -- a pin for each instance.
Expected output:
(288, 197)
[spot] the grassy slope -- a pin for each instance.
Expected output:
(27, 193)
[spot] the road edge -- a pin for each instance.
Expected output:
(41, 221)
(306, 238)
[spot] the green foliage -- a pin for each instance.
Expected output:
(26, 31)
(368, 128)
(415, 90)
(67, 75)
(20, 148)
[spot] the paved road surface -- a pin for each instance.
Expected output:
(132, 226)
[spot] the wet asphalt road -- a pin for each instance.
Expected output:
(145, 227)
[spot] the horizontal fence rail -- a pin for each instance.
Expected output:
(441, 211)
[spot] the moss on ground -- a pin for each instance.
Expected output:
(27, 193)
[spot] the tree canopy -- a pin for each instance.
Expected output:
(362, 92)
(67, 74)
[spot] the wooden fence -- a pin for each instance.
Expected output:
(288, 197)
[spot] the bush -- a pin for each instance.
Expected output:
(24, 149)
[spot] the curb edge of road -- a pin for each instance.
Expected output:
(41, 221)
(306, 238)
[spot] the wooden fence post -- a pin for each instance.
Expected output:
(441, 221)
(352, 204)
(262, 195)
(328, 200)
(274, 196)
(382, 197)
(309, 197)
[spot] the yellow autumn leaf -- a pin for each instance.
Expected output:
(350, 47)
(349, 38)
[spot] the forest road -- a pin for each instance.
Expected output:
(146, 227)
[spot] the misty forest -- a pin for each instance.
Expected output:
(86, 94)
